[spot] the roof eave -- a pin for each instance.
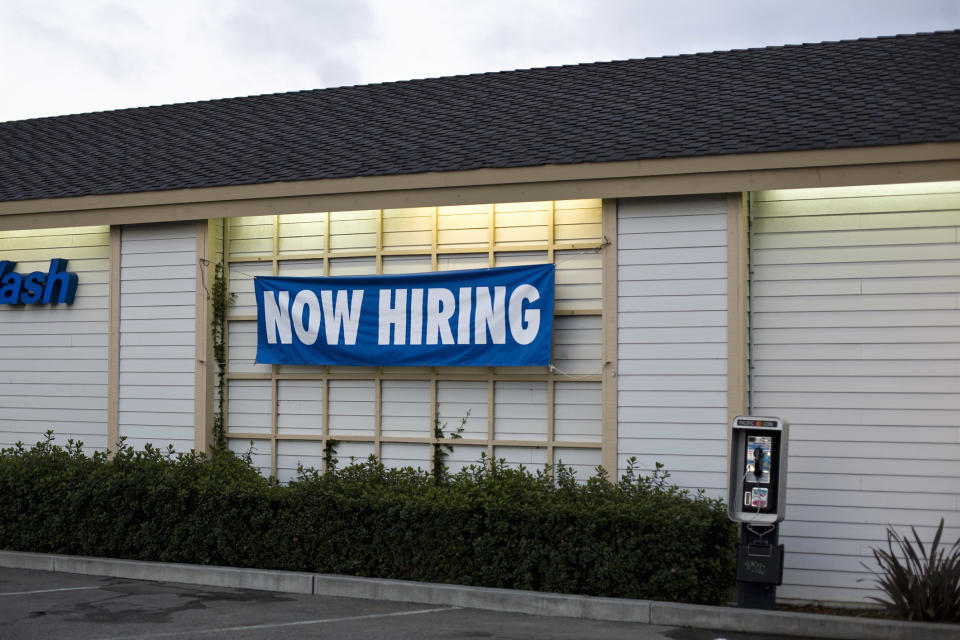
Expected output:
(636, 178)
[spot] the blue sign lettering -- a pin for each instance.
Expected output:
(56, 286)
(480, 317)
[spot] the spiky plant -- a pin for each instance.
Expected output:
(919, 584)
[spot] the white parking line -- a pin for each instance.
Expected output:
(300, 623)
(30, 593)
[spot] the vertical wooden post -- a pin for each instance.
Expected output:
(609, 396)
(737, 300)
(113, 346)
(203, 345)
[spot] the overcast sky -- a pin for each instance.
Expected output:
(72, 56)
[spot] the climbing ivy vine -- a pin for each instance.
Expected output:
(220, 299)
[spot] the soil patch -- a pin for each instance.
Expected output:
(854, 612)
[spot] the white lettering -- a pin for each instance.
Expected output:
(276, 317)
(483, 316)
(463, 317)
(440, 307)
(416, 316)
(306, 299)
(490, 316)
(346, 314)
(395, 316)
(524, 326)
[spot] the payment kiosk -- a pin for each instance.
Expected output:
(757, 500)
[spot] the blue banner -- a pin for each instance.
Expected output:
(480, 317)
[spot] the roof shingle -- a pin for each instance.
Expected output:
(880, 91)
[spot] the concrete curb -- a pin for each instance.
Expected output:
(786, 623)
(508, 600)
(260, 579)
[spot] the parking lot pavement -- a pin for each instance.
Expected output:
(37, 605)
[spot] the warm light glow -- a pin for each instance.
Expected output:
(304, 217)
(859, 191)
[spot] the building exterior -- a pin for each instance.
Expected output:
(772, 231)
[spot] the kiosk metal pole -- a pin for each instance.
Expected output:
(759, 566)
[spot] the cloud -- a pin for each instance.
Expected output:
(423, 38)
(63, 39)
(316, 37)
(63, 56)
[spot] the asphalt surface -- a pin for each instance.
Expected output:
(37, 605)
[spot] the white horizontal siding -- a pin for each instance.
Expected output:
(241, 286)
(242, 347)
(577, 410)
(672, 334)
(464, 456)
(577, 345)
(55, 356)
(353, 266)
(520, 410)
(291, 455)
(397, 455)
(407, 264)
(579, 279)
(352, 407)
(301, 232)
(352, 452)
(464, 226)
(408, 228)
(353, 230)
(300, 407)
(532, 459)
(405, 409)
(249, 406)
(250, 236)
(583, 462)
(856, 312)
(157, 335)
(466, 403)
(258, 452)
(455, 261)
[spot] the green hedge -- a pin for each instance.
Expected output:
(489, 525)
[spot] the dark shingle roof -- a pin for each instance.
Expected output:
(881, 91)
